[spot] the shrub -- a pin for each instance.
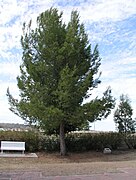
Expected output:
(31, 138)
(131, 141)
(93, 141)
(49, 143)
(75, 142)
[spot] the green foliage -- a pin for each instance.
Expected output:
(93, 141)
(58, 71)
(99, 108)
(50, 143)
(34, 141)
(30, 138)
(131, 141)
(75, 142)
(123, 116)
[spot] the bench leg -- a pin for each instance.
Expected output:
(1, 151)
(22, 152)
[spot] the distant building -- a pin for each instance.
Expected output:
(14, 127)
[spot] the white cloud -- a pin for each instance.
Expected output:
(119, 68)
(12, 15)
(9, 69)
(13, 89)
(6, 115)
(102, 18)
(103, 10)
(106, 124)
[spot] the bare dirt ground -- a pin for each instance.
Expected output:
(52, 164)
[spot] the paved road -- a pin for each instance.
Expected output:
(122, 174)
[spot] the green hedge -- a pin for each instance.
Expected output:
(131, 141)
(93, 141)
(49, 143)
(75, 142)
(32, 139)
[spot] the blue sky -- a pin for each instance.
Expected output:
(110, 24)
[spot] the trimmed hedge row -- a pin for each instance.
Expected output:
(95, 141)
(75, 142)
(131, 141)
(31, 138)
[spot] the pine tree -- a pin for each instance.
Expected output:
(57, 74)
(123, 116)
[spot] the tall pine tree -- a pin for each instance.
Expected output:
(123, 116)
(57, 75)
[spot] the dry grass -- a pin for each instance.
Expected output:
(74, 163)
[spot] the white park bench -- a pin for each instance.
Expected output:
(12, 146)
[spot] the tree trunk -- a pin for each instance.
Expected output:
(62, 140)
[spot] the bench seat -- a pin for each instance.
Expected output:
(12, 146)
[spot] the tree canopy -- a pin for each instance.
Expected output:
(123, 116)
(59, 70)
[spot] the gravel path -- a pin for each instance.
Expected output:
(123, 174)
